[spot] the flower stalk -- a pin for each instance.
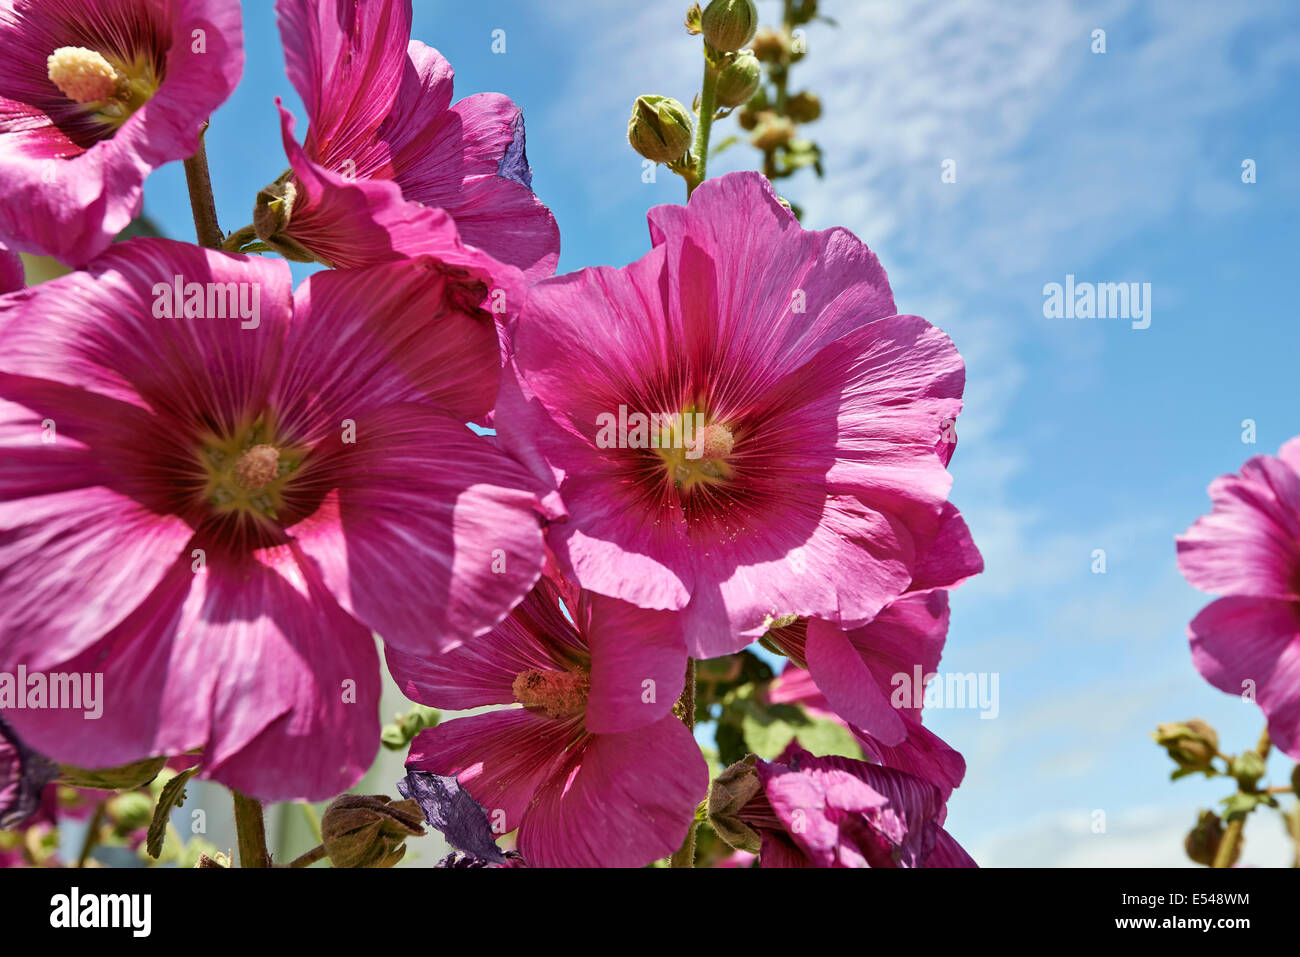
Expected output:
(204, 207)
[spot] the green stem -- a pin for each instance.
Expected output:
(313, 822)
(309, 858)
(1228, 847)
(202, 205)
(92, 833)
(684, 856)
(250, 830)
(704, 125)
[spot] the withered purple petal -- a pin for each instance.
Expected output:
(451, 810)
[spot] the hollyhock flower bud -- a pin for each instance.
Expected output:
(130, 811)
(729, 24)
(773, 131)
(660, 128)
(804, 107)
(1202, 841)
(368, 830)
(1248, 767)
(738, 80)
(1191, 744)
(769, 45)
(730, 791)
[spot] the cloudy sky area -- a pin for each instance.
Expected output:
(1079, 434)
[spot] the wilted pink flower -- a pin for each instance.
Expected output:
(837, 812)
(1248, 549)
(95, 95)
(594, 769)
(213, 490)
(753, 433)
(872, 679)
(390, 166)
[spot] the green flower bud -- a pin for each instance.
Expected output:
(130, 811)
(272, 214)
(729, 24)
(738, 80)
(112, 779)
(369, 830)
(399, 734)
(1248, 767)
(1191, 744)
(728, 794)
(804, 107)
(660, 128)
(1202, 842)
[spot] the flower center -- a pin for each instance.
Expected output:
(701, 459)
(247, 472)
(110, 89)
(82, 75)
(557, 693)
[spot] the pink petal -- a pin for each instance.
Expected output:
(1253, 644)
(431, 534)
(250, 659)
(638, 664)
(622, 800)
(1250, 543)
(502, 758)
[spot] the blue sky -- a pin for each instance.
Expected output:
(1078, 434)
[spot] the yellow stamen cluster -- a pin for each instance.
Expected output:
(247, 472)
(705, 460)
(82, 75)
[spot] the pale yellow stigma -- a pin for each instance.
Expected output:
(82, 75)
(258, 467)
(715, 442)
(557, 693)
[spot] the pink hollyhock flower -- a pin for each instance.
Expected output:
(213, 490)
(95, 95)
(754, 434)
(837, 812)
(390, 167)
(1248, 549)
(873, 679)
(594, 769)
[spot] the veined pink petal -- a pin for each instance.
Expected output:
(622, 800)
(112, 329)
(483, 671)
(1250, 543)
(638, 663)
(430, 537)
(250, 659)
(403, 331)
(1252, 645)
(502, 758)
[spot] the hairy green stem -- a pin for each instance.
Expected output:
(704, 125)
(1231, 842)
(684, 856)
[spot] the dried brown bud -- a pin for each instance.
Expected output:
(369, 830)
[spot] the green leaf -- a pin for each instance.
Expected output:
(1239, 805)
(172, 796)
(768, 729)
(725, 144)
